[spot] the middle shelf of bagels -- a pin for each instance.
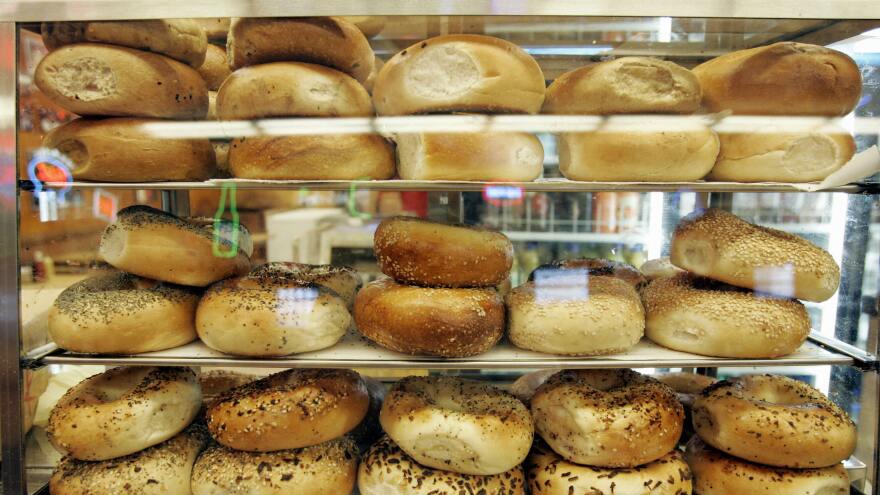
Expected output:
(628, 120)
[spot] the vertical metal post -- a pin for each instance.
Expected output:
(176, 202)
(13, 476)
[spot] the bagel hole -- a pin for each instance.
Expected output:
(76, 151)
(111, 387)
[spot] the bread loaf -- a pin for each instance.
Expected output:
(330, 41)
(462, 72)
(215, 69)
(785, 78)
(370, 25)
(93, 79)
(119, 150)
(180, 39)
(287, 89)
(215, 28)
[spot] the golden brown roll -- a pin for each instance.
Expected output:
(575, 315)
(291, 89)
(784, 78)
(120, 313)
(93, 79)
(637, 155)
(386, 468)
(781, 157)
(494, 157)
(460, 73)
(215, 69)
(330, 41)
(180, 39)
(430, 321)
(163, 469)
(158, 245)
(549, 474)
(457, 425)
(774, 420)
(624, 85)
(326, 468)
(330, 157)
(370, 25)
(216, 28)
(94, 148)
(123, 411)
(607, 418)
(722, 246)
(588, 267)
(271, 311)
(421, 252)
(695, 314)
(289, 410)
(718, 474)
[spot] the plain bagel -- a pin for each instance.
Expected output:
(722, 246)
(289, 410)
(609, 418)
(457, 425)
(386, 469)
(422, 252)
(158, 245)
(272, 311)
(774, 420)
(119, 313)
(123, 411)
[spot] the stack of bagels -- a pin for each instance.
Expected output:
(441, 298)
(120, 76)
(738, 288)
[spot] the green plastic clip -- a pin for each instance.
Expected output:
(228, 189)
(352, 201)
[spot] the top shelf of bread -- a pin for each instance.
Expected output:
(68, 10)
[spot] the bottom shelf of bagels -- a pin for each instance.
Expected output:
(175, 430)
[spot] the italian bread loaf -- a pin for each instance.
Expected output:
(330, 41)
(119, 150)
(287, 89)
(93, 79)
(215, 69)
(461, 72)
(180, 39)
(624, 85)
(784, 78)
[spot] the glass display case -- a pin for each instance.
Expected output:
(54, 213)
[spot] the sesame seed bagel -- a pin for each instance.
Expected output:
(272, 311)
(162, 469)
(592, 267)
(158, 245)
(386, 469)
(123, 411)
(695, 314)
(119, 313)
(415, 251)
(774, 420)
(718, 474)
(549, 474)
(722, 246)
(608, 418)
(326, 468)
(575, 315)
(289, 410)
(457, 425)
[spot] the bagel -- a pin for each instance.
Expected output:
(659, 268)
(123, 411)
(329, 467)
(218, 381)
(289, 410)
(158, 245)
(524, 387)
(163, 469)
(774, 420)
(686, 385)
(420, 252)
(433, 322)
(387, 469)
(695, 314)
(457, 425)
(119, 313)
(549, 474)
(369, 430)
(722, 246)
(342, 280)
(592, 267)
(271, 311)
(575, 314)
(607, 418)
(718, 474)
